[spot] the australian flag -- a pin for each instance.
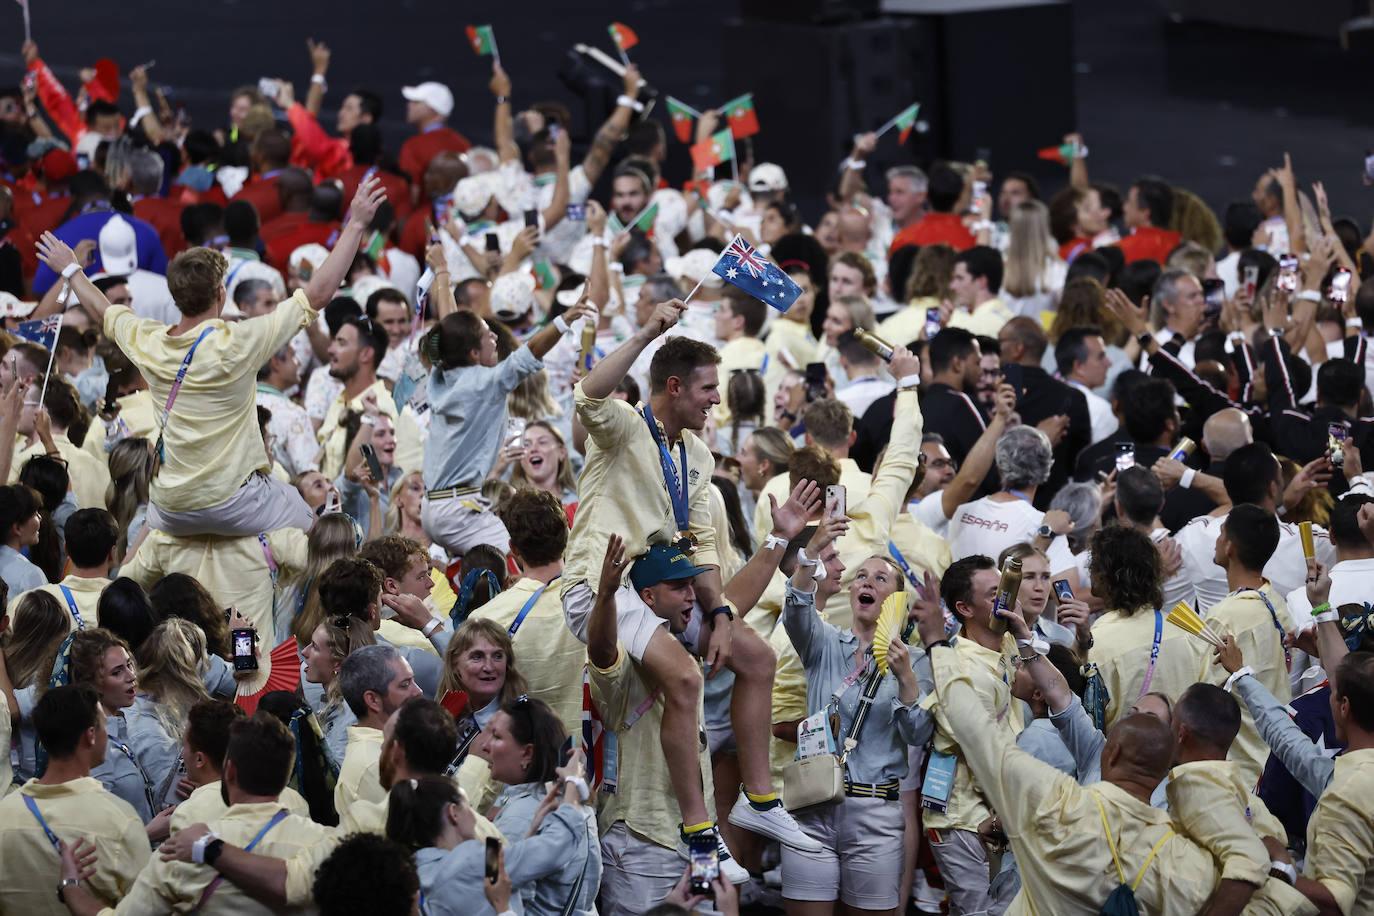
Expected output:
(42, 331)
(742, 266)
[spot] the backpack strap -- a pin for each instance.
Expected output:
(1111, 844)
(1140, 875)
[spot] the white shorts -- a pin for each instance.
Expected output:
(635, 622)
(460, 523)
(861, 863)
(262, 504)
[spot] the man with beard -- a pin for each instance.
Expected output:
(356, 351)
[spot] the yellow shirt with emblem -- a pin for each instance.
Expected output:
(176, 887)
(212, 442)
(622, 490)
(990, 673)
(643, 798)
(85, 593)
(1244, 616)
(358, 776)
(1121, 651)
(205, 804)
(550, 656)
(78, 809)
(89, 475)
(1340, 835)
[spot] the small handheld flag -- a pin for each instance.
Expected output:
(740, 115)
(682, 115)
(28, 32)
(644, 222)
(624, 39)
(1064, 153)
(483, 41)
(42, 331)
(742, 266)
(718, 148)
(905, 119)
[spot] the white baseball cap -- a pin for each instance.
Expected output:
(435, 95)
(471, 195)
(11, 306)
(118, 246)
(310, 255)
(767, 177)
(693, 266)
(512, 296)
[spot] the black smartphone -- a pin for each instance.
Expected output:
(493, 242)
(1213, 297)
(493, 865)
(815, 382)
(1062, 591)
(565, 752)
(373, 465)
(1013, 376)
(1125, 455)
(705, 860)
(531, 219)
(243, 639)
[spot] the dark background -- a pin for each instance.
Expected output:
(1207, 107)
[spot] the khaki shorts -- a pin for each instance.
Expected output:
(861, 863)
(262, 504)
(460, 523)
(635, 874)
(635, 623)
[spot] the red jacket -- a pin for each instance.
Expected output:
(288, 238)
(1149, 243)
(164, 215)
(263, 194)
(313, 149)
(397, 190)
(419, 149)
(934, 229)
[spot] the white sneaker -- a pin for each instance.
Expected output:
(774, 823)
(730, 870)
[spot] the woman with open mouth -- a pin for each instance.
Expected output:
(542, 463)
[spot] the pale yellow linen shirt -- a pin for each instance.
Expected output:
(989, 673)
(85, 592)
(176, 887)
(358, 776)
(1121, 651)
(212, 442)
(985, 321)
(332, 435)
(923, 549)
(622, 491)
(1208, 800)
(906, 324)
(89, 475)
(549, 655)
(205, 804)
(856, 485)
(78, 809)
(737, 355)
(643, 797)
(1340, 835)
(1243, 615)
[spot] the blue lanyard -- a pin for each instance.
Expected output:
(176, 389)
(677, 487)
(38, 816)
(71, 606)
(901, 561)
(529, 606)
(1274, 616)
(1019, 495)
(214, 885)
(1154, 654)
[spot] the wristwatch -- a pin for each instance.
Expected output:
(63, 885)
(212, 851)
(1045, 531)
(723, 609)
(199, 847)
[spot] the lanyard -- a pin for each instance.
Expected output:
(900, 560)
(271, 568)
(38, 816)
(1019, 495)
(1154, 654)
(529, 606)
(677, 488)
(71, 606)
(214, 885)
(147, 785)
(1274, 616)
(176, 388)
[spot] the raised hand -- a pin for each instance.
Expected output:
(368, 198)
(1120, 305)
(596, 219)
(904, 363)
(500, 82)
(665, 315)
(612, 566)
(790, 518)
(55, 253)
(319, 56)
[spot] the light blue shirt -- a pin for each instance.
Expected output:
(827, 652)
(468, 407)
(1286, 739)
(18, 572)
(121, 773)
(451, 879)
(547, 896)
(158, 753)
(355, 501)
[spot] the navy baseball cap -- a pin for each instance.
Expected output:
(663, 563)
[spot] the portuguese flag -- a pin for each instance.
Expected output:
(483, 40)
(623, 36)
(739, 114)
(682, 116)
(644, 222)
(905, 120)
(714, 150)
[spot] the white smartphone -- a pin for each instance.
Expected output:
(835, 501)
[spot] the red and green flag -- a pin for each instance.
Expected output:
(545, 274)
(1064, 153)
(623, 36)
(906, 120)
(682, 115)
(483, 40)
(715, 149)
(740, 116)
(644, 222)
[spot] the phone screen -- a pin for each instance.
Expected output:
(815, 381)
(1288, 273)
(373, 465)
(1340, 286)
(932, 323)
(531, 219)
(493, 863)
(705, 859)
(1125, 455)
(1213, 296)
(244, 659)
(1337, 431)
(493, 242)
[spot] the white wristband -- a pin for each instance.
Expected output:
(625, 101)
(1035, 644)
(367, 420)
(318, 79)
(198, 847)
(1354, 323)
(1186, 480)
(804, 560)
(70, 270)
(139, 115)
(434, 626)
(559, 323)
(584, 792)
(1240, 673)
(1309, 295)
(855, 165)
(1328, 617)
(909, 381)
(773, 541)
(598, 241)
